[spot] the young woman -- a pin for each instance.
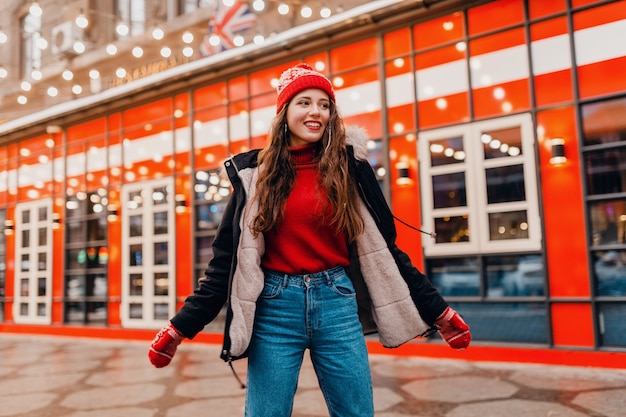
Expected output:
(305, 258)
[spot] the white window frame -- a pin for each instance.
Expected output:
(477, 208)
(33, 274)
(147, 299)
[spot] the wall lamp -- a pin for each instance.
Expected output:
(8, 227)
(557, 146)
(403, 174)
(181, 203)
(112, 213)
(56, 221)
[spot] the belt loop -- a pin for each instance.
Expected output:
(329, 278)
(285, 280)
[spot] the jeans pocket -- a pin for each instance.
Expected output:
(271, 289)
(343, 287)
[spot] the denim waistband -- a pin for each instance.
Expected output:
(327, 276)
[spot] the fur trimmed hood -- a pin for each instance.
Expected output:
(357, 137)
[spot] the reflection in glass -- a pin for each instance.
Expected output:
(449, 190)
(611, 316)
(136, 255)
(209, 216)
(74, 312)
(26, 238)
(135, 311)
(455, 277)
(97, 228)
(136, 284)
(210, 186)
(43, 236)
(608, 222)
(26, 216)
(376, 160)
(161, 283)
(505, 184)
(501, 321)
(160, 196)
(161, 311)
(160, 223)
(25, 265)
(606, 171)
(508, 225)
(74, 231)
(96, 312)
(447, 151)
(96, 285)
(43, 214)
(41, 309)
(75, 286)
(41, 286)
(42, 262)
(609, 269)
(502, 143)
(514, 276)
(135, 200)
(452, 229)
(134, 224)
(204, 249)
(24, 287)
(605, 121)
(160, 253)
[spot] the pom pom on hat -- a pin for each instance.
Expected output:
(298, 78)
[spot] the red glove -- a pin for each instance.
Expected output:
(164, 346)
(453, 329)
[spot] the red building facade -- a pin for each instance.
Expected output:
(498, 126)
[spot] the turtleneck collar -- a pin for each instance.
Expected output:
(306, 154)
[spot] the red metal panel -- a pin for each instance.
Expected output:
(572, 325)
(495, 15)
(563, 206)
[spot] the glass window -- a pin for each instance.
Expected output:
(606, 171)
(604, 122)
(449, 190)
(612, 324)
(512, 276)
(482, 187)
(31, 51)
(447, 151)
(188, 6)
(608, 222)
(132, 13)
(508, 225)
(609, 270)
(505, 184)
(506, 322)
(3, 264)
(455, 276)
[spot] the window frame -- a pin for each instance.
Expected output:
(474, 166)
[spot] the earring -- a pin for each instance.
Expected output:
(330, 137)
(286, 130)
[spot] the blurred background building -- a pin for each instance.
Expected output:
(497, 127)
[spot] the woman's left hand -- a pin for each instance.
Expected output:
(453, 329)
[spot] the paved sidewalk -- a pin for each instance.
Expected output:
(44, 376)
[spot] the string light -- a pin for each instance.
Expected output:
(122, 29)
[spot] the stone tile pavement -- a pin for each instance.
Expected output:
(42, 376)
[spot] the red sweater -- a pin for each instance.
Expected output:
(305, 242)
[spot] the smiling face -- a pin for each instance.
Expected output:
(307, 116)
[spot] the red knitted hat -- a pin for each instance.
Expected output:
(298, 78)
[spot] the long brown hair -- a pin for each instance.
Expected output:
(277, 175)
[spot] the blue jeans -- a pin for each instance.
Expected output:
(316, 312)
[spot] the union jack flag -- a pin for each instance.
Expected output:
(226, 22)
